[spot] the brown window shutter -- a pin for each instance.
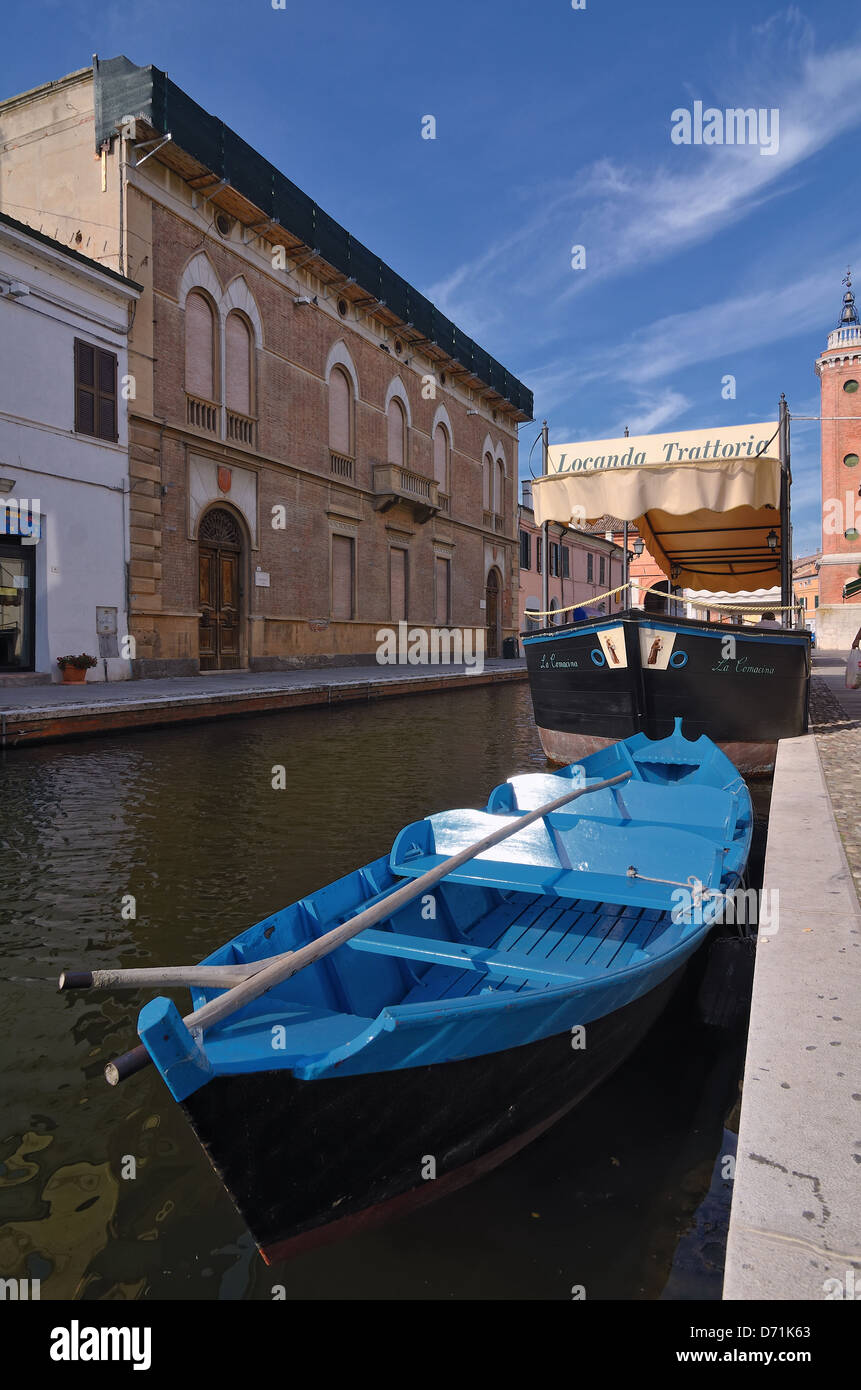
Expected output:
(342, 577)
(85, 387)
(486, 481)
(95, 391)
(398, 584)
(237, 348)
(339, 414)
(107, 395)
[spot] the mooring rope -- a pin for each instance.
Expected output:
(764, 607)
(694, 885)
(581, 603)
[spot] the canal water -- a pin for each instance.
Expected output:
(105, 1194)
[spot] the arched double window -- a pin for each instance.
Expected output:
(222, 331)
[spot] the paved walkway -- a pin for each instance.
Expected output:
(835, 719)
(42, 713)
(794, 1230)
(794, 1226)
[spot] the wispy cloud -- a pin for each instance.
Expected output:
(649, 412)
(719, 331)
(628, 218)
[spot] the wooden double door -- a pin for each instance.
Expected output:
(493, 615)
(219, 561)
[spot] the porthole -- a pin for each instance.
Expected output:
(851, 386)
(223, 224)
(851, 460)
(442, 378)
(342, 307)
(399, 347)
(851, 534)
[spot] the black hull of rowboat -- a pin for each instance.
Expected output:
(311, 1161)
(586, 694)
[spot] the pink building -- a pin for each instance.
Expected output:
(581, 565)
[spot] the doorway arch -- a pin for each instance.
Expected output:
(656, 599)
(493, 613)
(219, 564)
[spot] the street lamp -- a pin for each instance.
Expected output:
(772, 540)
(638, 546)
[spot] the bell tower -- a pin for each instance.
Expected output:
(839, 372)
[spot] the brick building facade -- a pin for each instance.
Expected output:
(315, 451)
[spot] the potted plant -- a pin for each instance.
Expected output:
(75, 668)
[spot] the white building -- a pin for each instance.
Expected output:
(64, 551)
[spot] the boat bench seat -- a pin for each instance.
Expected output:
(458, 955)
(705, 810)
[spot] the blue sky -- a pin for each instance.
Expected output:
(553, 130)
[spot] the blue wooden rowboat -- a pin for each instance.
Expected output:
(446, 1033)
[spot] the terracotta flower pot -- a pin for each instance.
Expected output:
(74, 675)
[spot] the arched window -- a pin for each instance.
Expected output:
(441, 457)
(340, 413)
(238, 375)
(200, 363)
(486, 481)
(397, 422)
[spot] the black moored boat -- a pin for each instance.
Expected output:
(600, 680)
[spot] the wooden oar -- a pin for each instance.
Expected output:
(165, 976)
(281, 968)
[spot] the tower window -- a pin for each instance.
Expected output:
(851, 534)
(851, 460)
(850, 386)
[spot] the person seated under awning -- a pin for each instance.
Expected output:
(768, 620)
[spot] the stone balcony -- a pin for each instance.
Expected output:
(394, 484)
(845, 337)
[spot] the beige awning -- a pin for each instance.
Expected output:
(705, 520)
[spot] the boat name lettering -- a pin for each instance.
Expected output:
(549, 660)
(742, 667)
